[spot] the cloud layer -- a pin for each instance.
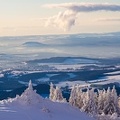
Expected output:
(67, 18)
(109, 19)
(86, 7)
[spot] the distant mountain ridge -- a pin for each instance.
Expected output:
(60, 59)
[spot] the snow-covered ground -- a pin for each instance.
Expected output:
(31, 106)
(64, 66)
(72, 83)
(113, 73)
(1, 75)
(107, 80)
(101, 81)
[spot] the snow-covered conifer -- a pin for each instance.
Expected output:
(58, 95)
(111, 102)
(52, 90)
(73, 96)
(30, 85)
(101, 100)
(89, 102)
(115, 100)
(30, 96)
(79, 97)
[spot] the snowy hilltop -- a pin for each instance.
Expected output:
(31, 106)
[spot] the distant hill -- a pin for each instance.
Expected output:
(33, 44)
(65, 60)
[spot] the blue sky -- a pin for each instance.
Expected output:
(29, 17)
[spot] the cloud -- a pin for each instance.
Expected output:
(65, 20)
(86, 7)
(109, 20)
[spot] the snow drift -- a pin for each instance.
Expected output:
(31, 106)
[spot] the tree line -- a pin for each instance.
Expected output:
(96, 103)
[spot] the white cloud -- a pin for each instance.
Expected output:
(65, 20)
(109, 19)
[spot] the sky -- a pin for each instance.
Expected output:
(37, 17)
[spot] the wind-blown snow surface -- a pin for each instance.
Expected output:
(31, 106)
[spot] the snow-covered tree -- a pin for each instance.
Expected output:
(89, 101)
(52, 90)
(79, 97)
(119, 102)
(114, 99)
(101, 100)
(73, 96)
(30, 87)
(30, 96)
(58, 95)
(111, 102)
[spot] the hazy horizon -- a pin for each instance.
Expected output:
(44, 46)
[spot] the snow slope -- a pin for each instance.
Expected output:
(31, 106)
